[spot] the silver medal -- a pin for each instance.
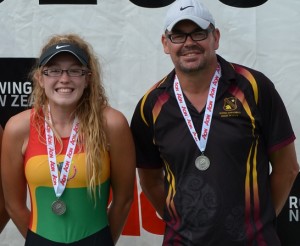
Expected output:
(58, 207)
(202, 163)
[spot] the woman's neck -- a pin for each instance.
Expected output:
(62, 120)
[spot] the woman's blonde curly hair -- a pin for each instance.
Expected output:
(89, 110)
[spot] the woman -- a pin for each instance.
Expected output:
(4, 218)
(70, 149)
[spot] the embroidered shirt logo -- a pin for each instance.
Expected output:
(72, 173)
(230, 107)
(230, 104)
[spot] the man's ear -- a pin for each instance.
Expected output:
(164, 41)
(216, 34)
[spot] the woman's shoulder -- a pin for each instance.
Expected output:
(19, 123)
(114, 119)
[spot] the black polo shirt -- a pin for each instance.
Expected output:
(230, 202)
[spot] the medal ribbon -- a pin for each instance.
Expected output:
(59, 184)
(210, 103)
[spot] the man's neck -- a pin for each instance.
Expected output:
(198, 81)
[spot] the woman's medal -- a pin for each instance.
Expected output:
(58, 207)
(59, 182)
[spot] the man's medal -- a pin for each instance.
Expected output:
(202, 162)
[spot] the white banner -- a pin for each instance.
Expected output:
(127, 40)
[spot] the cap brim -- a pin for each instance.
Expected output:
(55, 49)
(198, 21)
(243, 3)
(48, 58)
(152, 3)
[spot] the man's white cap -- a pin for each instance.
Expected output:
(192, 10)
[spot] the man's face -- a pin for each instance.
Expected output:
(191, 56)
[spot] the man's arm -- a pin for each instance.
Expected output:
(152, 183)
(284, 172)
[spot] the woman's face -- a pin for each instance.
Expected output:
(64, 88)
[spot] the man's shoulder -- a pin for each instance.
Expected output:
(160, 86)
(157, 94)
(164, 82)
(238, 68)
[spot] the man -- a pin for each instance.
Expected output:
(205, 136)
